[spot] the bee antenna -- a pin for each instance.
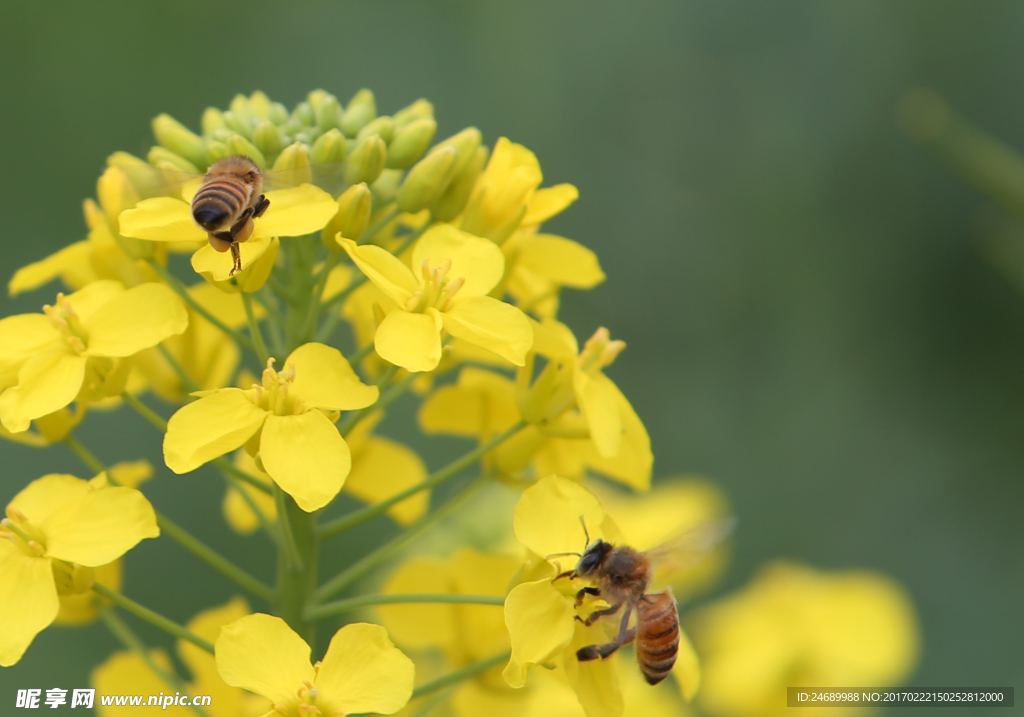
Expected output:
(586, 533)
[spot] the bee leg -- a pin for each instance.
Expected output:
(586, 591)
(243, 218)
(260, 207)
(593, 652)
(597, 615)
(236, 255)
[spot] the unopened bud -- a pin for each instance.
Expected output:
(241, 107)
(240, 145)
(303, 112)
(260, 104)
(308, 136)
(277, 113)
(214, 151)
(410, 142)
(268, 138)
(419, 109)
(465, 144)
(330, 147)
(427, 180)
(328, 113)
(451, 203)
(360, 110)
(385, 189)
(315, 97)
(294, 156)
(213, 119)
(384, 126)
(366, 161)
(238, 123)
(353, 216)
(162, 157)
(179, 139)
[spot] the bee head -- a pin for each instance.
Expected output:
(592, 557)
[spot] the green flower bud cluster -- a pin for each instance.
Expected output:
(391, 155)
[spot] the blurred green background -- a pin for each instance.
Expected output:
(808, 317)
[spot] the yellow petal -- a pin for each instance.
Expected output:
(363, 672)
(89, 299)
(687, 668)
(28, 600)
(546, 203)
(203, 665)
(47, 382)
(82, 608)
(22, 335)
(293, 212)
(306, 456)
(212, 426)
(476, 697)
(262, 654)
(384, 269)
(134, 320)
(383, 468)
(36, 274)
(43, 496)
(161, 219)
(547, 516)
(554, 339)
(216, 266)
(597, 682)
(325, 380)
(560, 260)
(226, 307)
(479, 261)
(540, 624)
(492, 324)
(598, 400)
(632, 465)
(100, 527)
(412, 341)
(477, 573)
(419, 626)
(481, 403)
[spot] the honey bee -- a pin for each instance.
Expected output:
(623, 576)
(229, 198)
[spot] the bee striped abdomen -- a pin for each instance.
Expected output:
(657, 640)
(219, 201)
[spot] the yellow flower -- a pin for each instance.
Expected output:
(281, 421)
(794, 626)
(293, 212)
(126, 673)
(72, 351)
(506, 196)
(51, 428)
(454, 273)
(99, 256)
(361, 671)
(58, 529)
(541, 612)
(539, 265)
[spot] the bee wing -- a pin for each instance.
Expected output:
(329, 176)
(690, 547)
(149, 181)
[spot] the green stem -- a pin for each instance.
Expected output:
(295, 587)
(214, 559)
(181, 291)
(131, 641)
(358, 517)
(84, 454)
(151, 617)
(459, 675)
(265, 522)
(362, 353)
(341, 606)
(391, 548)
(434, 702)
(254, 330)
(372, 230)
(145, 411)
(291, 549)
(186, 380)
(318, 292)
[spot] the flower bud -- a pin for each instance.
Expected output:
(238, 123)
(315, 97)
(179, 139)
(213, 119)
(330, 147)
(308, 136)
(427, 180)
(451, 203)
(240, 145)
(410, 142)
(268, 138)
(240, 106)
(361, 109)
(161, 157)
(385, 189)
(366, 161)
(277, 113)
(353, 216)
(419, 109)
(294, 156)
(384, 126)
(328, 113)
(214, 151)
(465, 144)
(303, 112)
(260, 104)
